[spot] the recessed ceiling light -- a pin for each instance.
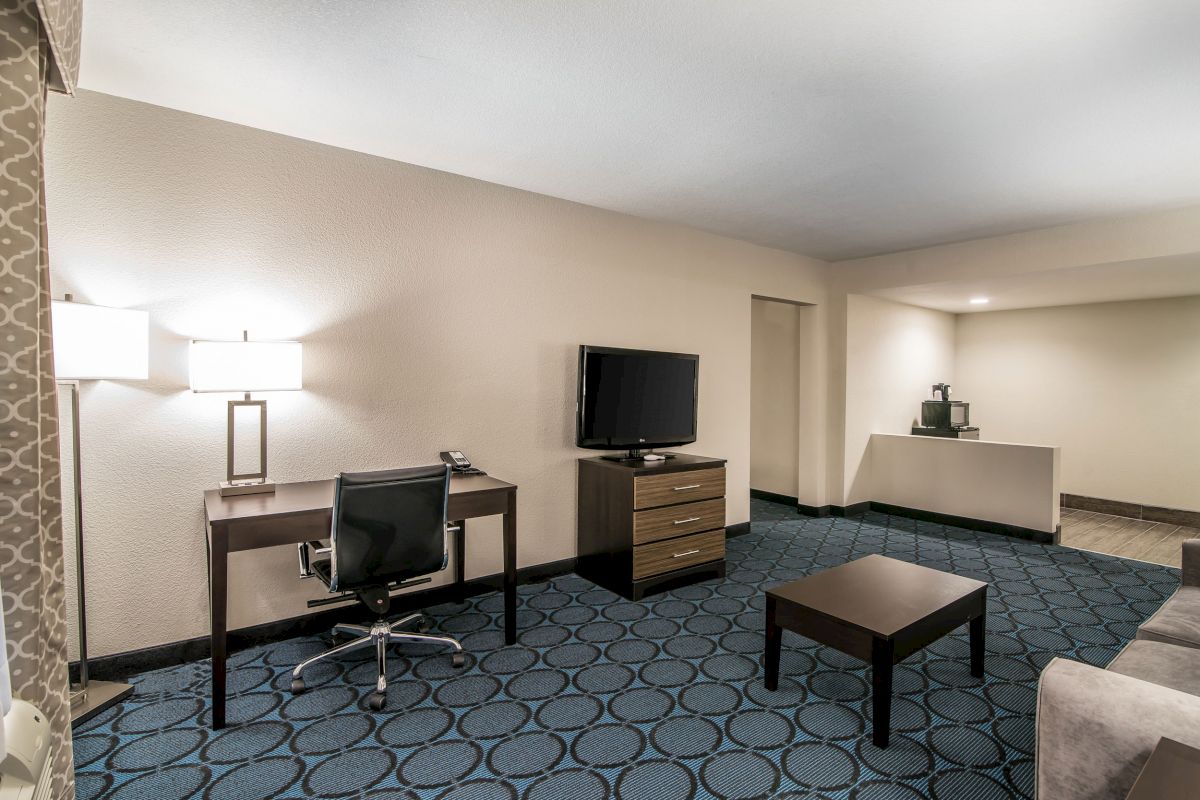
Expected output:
(979, 301)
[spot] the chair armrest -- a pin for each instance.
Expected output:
(302, 552)
(1191, 562)
(1096, 729)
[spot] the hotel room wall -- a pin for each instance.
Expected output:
(894, 353)
(774, 397)
(436, 312)
(1116, 385)
(1163, 233)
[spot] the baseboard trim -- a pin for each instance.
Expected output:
(852, 510)
(786, 499)
(970, 523)
(814, 511)
(119, 666)
(986, 526)
(1121, 508)
(737, 529)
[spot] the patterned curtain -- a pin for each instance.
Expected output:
(39, 47)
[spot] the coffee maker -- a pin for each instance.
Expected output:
(945, 418)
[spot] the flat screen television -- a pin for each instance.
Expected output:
(635, 400)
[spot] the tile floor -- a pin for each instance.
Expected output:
(1156, 542)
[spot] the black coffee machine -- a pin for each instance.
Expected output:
(945, 418)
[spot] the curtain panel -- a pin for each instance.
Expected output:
(39, 51)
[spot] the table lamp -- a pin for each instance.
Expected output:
(94, 343)
(245, 367)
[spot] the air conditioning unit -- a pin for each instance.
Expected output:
(25, 773)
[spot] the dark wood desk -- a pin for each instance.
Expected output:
(301, 512)
(878, 609)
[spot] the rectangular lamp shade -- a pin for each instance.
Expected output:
(99, 343)
(245, 366)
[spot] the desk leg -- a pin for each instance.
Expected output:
(510, 570)
(218, 600)
(460, 566)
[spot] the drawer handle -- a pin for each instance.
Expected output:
(689, 486)
(685, 521)
(685, 553)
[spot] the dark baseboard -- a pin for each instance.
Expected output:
(814, 511)
(852, 510)
(737, 529)
(986, 526)
(1121, 508)
(787, 500)
(122, 665)
(858, 509)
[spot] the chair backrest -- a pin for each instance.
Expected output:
(388, 526)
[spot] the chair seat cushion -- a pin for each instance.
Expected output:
(1166, 665)
(1177, 621)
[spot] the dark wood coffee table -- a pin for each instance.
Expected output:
(1171, 773)
(880, 610)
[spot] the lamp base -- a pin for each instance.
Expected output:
(99, 695)
(231, 488)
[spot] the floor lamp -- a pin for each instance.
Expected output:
(94, 343)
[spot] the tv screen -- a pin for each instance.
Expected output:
(635, 399)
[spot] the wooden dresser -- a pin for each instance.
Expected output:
(645, 524)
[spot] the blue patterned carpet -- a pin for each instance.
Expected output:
(654, 700)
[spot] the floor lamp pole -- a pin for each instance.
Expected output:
(88, 697)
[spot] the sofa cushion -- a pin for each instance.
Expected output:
(1167, 665)
(1177, 622)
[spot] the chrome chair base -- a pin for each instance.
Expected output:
(380, 634)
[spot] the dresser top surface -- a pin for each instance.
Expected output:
(681, 462)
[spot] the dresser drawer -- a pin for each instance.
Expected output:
(654, 559)
(650, 491)
(668, 522)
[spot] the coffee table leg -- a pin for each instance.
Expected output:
(882, 651)
(977, 637)
(774, 641)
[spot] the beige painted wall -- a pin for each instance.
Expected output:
(775, 396)
(436, 311)
(1117, 385)
(1164, 233)
(894, 353)
(1016, 484)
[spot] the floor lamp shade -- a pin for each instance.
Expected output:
(99, 343)
(94, 343)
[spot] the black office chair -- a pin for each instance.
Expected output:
(388, 528)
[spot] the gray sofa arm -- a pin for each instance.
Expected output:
(1191, 562)
(1096, 729)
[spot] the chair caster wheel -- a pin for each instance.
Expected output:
(423, 626)
(458, 659)
(378, 701)
(298, 686)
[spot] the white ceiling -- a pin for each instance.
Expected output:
(834, 128)
(1143, 279)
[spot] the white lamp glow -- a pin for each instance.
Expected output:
(94, 343)
(245, 366)
(979, 301)
(98, 343)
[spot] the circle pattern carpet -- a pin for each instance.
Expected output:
(654, 700)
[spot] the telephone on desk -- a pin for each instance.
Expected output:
(460, 464)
